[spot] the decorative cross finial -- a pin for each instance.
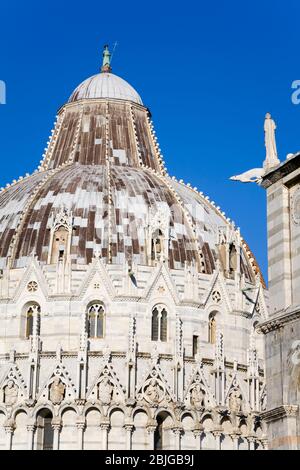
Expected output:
(106, 68)
(272, 159)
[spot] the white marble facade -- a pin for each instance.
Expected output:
(129, 303)
(62, 389)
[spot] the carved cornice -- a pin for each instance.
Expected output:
(279, 321)
(280, 412)
(279, 172)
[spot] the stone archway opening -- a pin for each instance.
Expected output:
(44, 432)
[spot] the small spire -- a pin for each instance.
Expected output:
(106, 68)
(272, 159)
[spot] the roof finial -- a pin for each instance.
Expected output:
(272, 159)
(106, 60)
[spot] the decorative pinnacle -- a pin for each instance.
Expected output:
(106, 68)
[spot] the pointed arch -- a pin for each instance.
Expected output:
(44, 435)
(30, 320)
(159, 324)
(212, 328)
(95, 319)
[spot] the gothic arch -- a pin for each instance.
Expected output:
(92, 406)
(163, 435)
(160, 323)
(47, 405)
(68, 434)
(65, 407)
(140, 409)
(95, 319)
(165, 410)
(17, 410)
(116, 435)
(213, 325)
(208, 416)
(44, 435)
(188, 425)
(190, 413)
(243, 427)
(114, 408)
(226, 422)
(19, 438)
(92, 436)
(30, 319)
(94, 300)
(140, 437)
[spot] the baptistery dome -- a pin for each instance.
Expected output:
(105, 85)
(128, 300)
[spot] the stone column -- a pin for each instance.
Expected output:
(198, 433)
(80, 431)
(9, 429)
(129, 429)
(151, 430)
(177, 432)
(30, 436)
(251, 441)
(265, 443)
(105, 428)
(56, 426)
(235, 440)
(217, 435)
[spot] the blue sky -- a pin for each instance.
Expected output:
(209, 71)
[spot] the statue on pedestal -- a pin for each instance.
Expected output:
(11, 393)
(105, 390)
(57, 391)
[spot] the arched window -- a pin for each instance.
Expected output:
(31, 320)
(158, 434)
(159, 326)
(212, 328)
(154, 333)
(96, 320)
(44, 432)
(163, 325)
(163, 434)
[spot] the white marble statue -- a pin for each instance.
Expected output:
(57, 391)
(197, 397)
(105, 390)
(152, 392)
(235, 401)
(270, 143)
(11, 393)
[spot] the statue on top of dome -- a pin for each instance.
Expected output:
(106, 68)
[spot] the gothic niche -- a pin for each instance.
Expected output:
(105, 391)
(197, 396)
(60, 239)
(57, 391)
(228, 251)
(153, 391)
(11, 391)
(157, 241)
(293, 364)
(235, 400)
(158, 235)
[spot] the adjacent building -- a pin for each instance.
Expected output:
(282, 330)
